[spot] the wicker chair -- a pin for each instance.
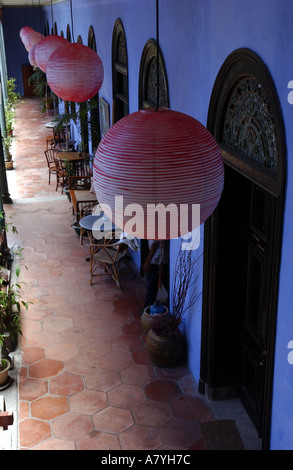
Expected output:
(109, 256)
(82, 198)
(61, 174)
(50, 155)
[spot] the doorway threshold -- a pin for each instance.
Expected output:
(233, 409)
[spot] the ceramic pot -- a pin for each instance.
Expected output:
(147, 320)
(165, 351)
(4, 372)
(9, 165)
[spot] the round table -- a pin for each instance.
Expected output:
(97, 226)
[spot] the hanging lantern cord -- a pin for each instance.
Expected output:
(52, 16)
(71, 20)
(158, 48)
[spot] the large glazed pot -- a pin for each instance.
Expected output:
(147, 319)
(165, 351)
(4, 372)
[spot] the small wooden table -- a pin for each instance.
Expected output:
(75, 159)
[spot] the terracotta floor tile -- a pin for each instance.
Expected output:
(180, 432)
(66, 384)
(113, 420)
(30, 389)
(57, 324)
(93, 349)
(107, 331)
(96, 440)
(140, 438)
(189, 407)
(86, 320)
(127, 343)
(126, 396)
(63, 351)
(142, 357)
(43, 339)
(129, 303)
(80, 365)
(152, 413)
(48, 408)
(115, 360)
(75, 336)
(88, 402)
(33, 432)
(30, 355)
(23, 410)
(72, 426)
(55, 444)
(45, 368)
(133, 328)
(163, 390)
(102, 380)
(138, 375)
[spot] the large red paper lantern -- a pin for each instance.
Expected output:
(24, 31)
(31, 38)
(158, 157)
(75, 72)
(46, 47)
(31, 55)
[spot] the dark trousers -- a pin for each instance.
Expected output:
(152, 283)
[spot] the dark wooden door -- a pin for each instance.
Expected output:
(257, 297)
(242, 299)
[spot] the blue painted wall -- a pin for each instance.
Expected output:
(196, 36)
(16, 55)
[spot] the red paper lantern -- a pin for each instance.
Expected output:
(158, 157)
(24, 31)
(75, 72)
(46, 47)
(31, 39)
(31, 55)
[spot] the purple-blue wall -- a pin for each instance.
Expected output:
(196, 36)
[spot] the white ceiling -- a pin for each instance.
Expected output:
(27, 3)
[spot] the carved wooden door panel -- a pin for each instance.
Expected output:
(257, 302)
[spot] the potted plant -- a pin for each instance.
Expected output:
(4, 367)
(83, 118)
(10, 303)
(151, 313)
(7, 144)
(42, 90)
(9, 112)
(165, 340)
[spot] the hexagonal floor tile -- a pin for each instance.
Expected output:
(48, 408)
(112, 419)
(66, 384)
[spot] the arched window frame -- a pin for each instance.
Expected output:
(119, 74)
(94, 112)
(149, 55)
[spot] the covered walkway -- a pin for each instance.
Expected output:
(86, 381)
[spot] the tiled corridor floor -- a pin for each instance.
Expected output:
(86, 381)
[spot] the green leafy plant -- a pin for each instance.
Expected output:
(10, 302)
(9, 112)
(7, 143)
(83, 118)
(41, 89)
(13, 96)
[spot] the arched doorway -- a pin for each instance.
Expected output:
(243, 239)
